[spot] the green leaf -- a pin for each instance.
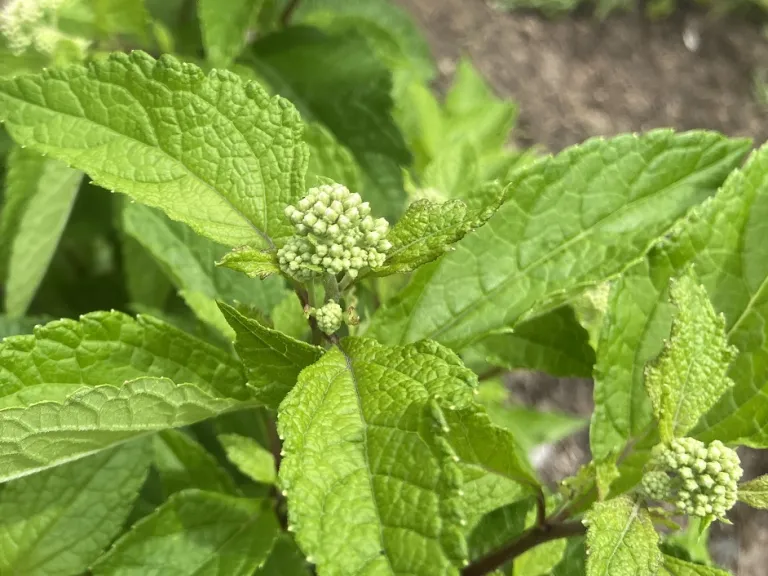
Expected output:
(110, 348)
(272, 360)
(427, 230)
(677, 567)
(57, 522)
(146, 282)
(49, 433)
(317, 72)
(498, 528)
(724, 238)
(613, 198)
(573, 562)
(204, 533)
(27, 63)
(288, 318)
(637, 321)
(474, 114)
(252, 262)
(621, 540)
(224, 25)
(209, 150)
(39, 196)
(250, 457)
(285, 559)
(689, 377)
(541, 560)
(190, 262)
(755, 492)
(371, 484)
(183, 463)
(329, 159)
(390, 30)
(495, 470)
(554, 343)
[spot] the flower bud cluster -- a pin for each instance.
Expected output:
(329, 317)
(701, 480)
(33, 23)
(334, 233)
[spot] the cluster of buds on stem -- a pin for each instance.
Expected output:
(700, 480)
(329, 317)
(334, 233)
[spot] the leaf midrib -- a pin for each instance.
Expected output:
(194, 176)
(521, 272)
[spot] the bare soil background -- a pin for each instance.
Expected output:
(576, 77)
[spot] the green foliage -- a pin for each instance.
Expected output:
(689, 377)
(755, 492)
(307, 389)
(39, 196)
(204, 532)
(621, 540)
(59, 521)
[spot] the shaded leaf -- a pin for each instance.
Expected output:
(204, 533)
(755, 492)
(224, 25)
(56, 523)
(250, 457)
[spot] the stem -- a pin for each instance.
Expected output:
(304, 299)
(346, 282)
(285, 17)
(527, 540)
(541, 508)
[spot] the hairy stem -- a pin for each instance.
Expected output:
(527, 540)
(332, 288)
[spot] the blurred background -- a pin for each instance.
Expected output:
(582, 68)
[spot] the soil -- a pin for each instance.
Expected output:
(575, 78)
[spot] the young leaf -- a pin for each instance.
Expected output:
(676, 567)
(474, 114)
(495, 470)
(688, 378)
(250, 457)
(285, 559)
(318, 71)
(427, 230)
(637, 321)
(39, 194)
(621, 540)
(541, 560)
(288, 317)
(370, 482)
(272, 359)
(106, 18)
(755, 492)
(224, 26)
(183, 463)
(190, 262)
(724, 238)
(554, 343)
(614, 199)
(208, 150)
(391, 31)
(201, 533)
(110, 348)
(58, 522)
(46, 434)
(252, 262)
